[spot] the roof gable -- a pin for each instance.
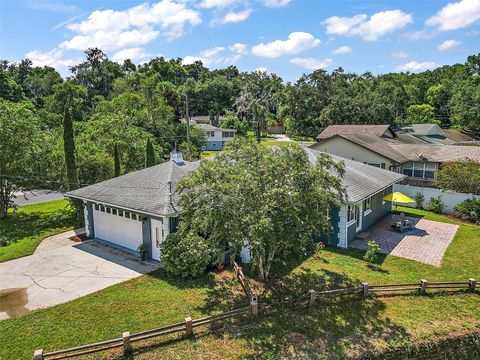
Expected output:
(378, 130)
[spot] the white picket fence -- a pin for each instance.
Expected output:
(449, 198)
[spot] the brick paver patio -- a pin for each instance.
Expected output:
(426, 243)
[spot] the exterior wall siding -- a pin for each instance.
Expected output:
(147, 238)
(349, 150)
(380, 209)
(332, 237)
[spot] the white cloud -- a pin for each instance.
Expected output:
(342, 50)
(135, 53)
(232, 17)
(400, 54)
(53, 58)
(311, 63)
(209, 4)
(111, 40)
(379, 24)
(448, 44)
(261, 69)
(275, 3)
(111, 29)
(414, 66)
(218, 55)
(342, 25)
(456, 15)
(296, 42)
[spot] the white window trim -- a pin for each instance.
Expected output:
(351, 222)
(367, 212)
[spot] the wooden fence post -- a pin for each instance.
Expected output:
(188, 326)
(365, 289)
(472, 284)
(313, 295)
(254, 307)
(126, 342)
(38, 354)
(423, 285)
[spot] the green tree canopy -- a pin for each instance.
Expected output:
(460, 176)
(270, 199)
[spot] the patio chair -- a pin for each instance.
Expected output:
(398, 223)
(407, 222)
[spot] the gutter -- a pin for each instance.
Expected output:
(118, 206)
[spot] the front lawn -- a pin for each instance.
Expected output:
(333, 329)
(26, 227)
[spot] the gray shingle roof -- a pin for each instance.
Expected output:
(208, 127)
(332, 130)
(420, 129)
(145, 191)
(361, 180)
(438, 153)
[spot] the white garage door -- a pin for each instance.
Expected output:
(118, 229)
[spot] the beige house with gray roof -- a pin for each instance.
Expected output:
(381, 146)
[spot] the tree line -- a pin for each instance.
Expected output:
(107, 119)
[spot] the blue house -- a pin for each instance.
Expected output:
(141, 208)
(216, 137)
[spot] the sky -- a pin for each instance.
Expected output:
(285, 37)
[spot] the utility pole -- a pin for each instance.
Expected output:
(187, 115)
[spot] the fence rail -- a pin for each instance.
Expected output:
(189, 324)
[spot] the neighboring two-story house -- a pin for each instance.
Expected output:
(406, 153)
(216, 137)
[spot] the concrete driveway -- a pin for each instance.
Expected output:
(62, 270)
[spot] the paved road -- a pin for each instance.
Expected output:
(62, 270)
(37, 196)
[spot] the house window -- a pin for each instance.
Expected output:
(382, 165)
(134, 217)
(419, 169)
(127, 215)
(408, 168)
(114, 211)
(173, 224)
(374, 164)
(109, 211)
(367, 206)
(120, 213)
(97, 207)
(211, 133)
(102, 208)
(351, 213)
(228, 134)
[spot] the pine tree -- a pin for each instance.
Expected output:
(150, 154)
(116, 159)
(69, 150)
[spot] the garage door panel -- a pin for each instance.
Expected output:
(118, 230)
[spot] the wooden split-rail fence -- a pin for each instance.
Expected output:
(188, 325)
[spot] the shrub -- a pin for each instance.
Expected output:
(185, 255)
(436, 205)
(419, 199)
(371, 256)
(468, 210)
(460, 176)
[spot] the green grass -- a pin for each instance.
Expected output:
(143, 303)
(26, 227)
(334, 329)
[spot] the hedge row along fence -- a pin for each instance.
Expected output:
(188, 325)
